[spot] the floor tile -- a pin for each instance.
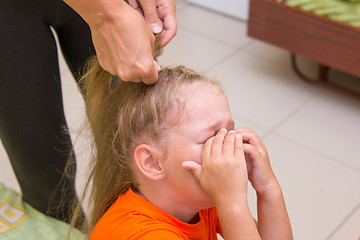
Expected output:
(329, 124)
(259, 90)
(222, 28)
(281, 56)
(73, 102)
(350, 229)
(268, 51)
(74, 109)
(194, 51)
(319, 193)
(7, 175)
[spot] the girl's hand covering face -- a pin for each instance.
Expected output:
(222, 175)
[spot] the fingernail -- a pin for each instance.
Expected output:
(237, 136)
(231, 131)
(156, 28)
(223, 130)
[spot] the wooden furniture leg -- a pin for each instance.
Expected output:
(322, 78)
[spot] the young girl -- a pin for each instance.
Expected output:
(168, 164)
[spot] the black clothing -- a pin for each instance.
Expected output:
(32, 122)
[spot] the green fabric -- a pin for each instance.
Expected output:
(346, 11)
(19, 220)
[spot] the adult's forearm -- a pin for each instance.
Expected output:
(94, 12)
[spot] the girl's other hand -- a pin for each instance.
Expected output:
(260, 172)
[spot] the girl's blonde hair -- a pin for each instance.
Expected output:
(120, 115)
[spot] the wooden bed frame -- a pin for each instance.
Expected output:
(330, 43)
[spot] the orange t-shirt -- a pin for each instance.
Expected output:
(133, 217)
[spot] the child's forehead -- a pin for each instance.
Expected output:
(197, 98)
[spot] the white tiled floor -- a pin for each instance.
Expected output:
(312, 133)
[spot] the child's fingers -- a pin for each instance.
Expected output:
(217, 144)
(249, 136)
(239, 149)
(229, 142)
(252, 151)
(206, 150)
(194, 168)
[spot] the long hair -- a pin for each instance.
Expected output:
(120, 115)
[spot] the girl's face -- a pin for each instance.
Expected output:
(206, 111)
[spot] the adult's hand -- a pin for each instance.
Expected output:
(159, 15)
(122, 39)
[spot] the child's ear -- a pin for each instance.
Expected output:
(147, 162)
